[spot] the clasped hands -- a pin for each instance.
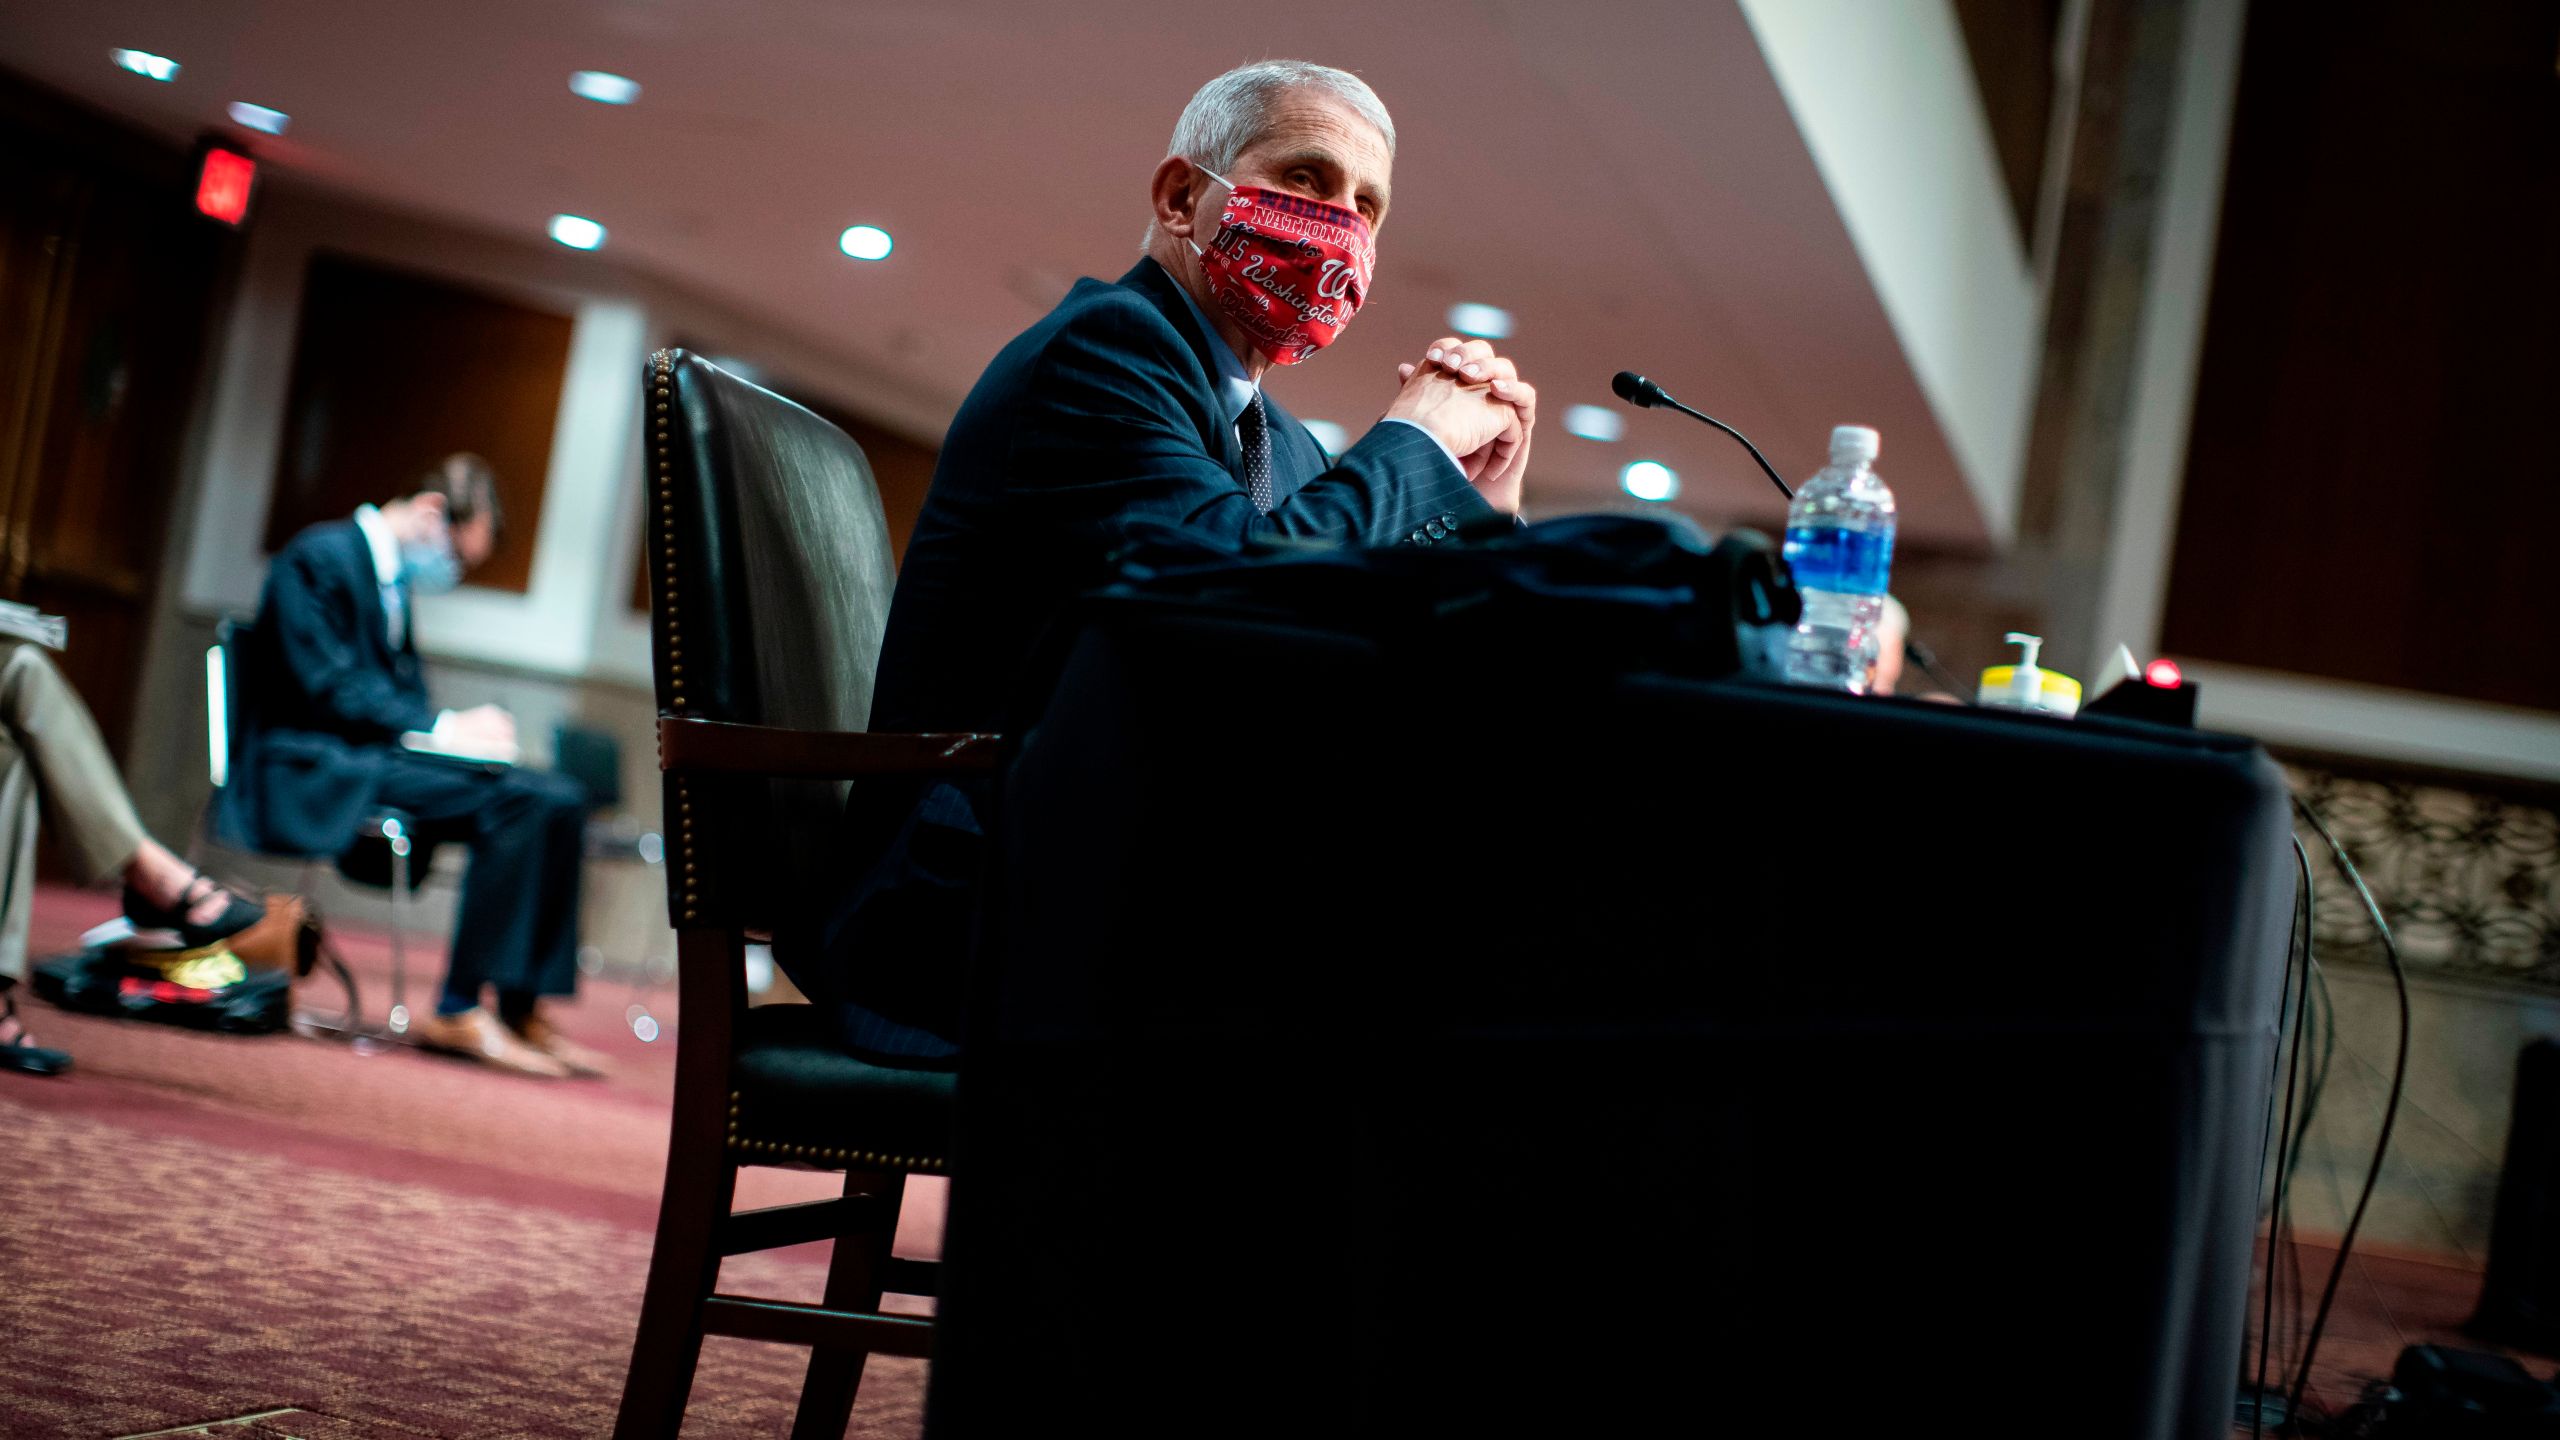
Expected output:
(1474, 402)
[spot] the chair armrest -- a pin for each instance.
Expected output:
(718, 747)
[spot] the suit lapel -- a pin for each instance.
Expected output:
(1149, 279)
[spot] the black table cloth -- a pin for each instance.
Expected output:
(1378, 1036)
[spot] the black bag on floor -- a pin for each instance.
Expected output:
(102, 982)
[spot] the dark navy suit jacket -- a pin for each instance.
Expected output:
(323, 697)
(1105, 414)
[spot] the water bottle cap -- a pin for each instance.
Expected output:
(1853, 445)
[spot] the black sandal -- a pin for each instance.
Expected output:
(18, 1052)
(237, 916)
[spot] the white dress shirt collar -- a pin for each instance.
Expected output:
(1235, 387)
(378, 538)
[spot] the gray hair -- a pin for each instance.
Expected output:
(1231, 112)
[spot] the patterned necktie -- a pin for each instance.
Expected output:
(1253, 431)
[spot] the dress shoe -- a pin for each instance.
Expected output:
(477, 1034)
(538, 1032)
(238, 913)
(18, 1049)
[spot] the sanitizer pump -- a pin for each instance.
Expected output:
(2025, 686)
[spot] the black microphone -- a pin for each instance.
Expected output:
(1645, 395)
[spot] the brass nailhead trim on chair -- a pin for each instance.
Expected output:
(825, 1155)
(684, 843)
(664, 363)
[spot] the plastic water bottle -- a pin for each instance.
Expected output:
(1840, 544)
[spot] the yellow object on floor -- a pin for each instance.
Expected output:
(209, 968)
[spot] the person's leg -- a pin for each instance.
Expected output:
(18, 1048)
(554, 838)
(447, 802)
(557, 839)
(82, 789)
(506, 914)
(17, 855)
(493, 813)
(67, 764)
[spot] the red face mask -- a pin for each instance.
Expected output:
(1290, 271)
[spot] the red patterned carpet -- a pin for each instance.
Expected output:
(197, 1228)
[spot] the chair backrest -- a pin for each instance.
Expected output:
(222, 710)
(770, 572)
(225, 661)
(218, 720)
(593, 758)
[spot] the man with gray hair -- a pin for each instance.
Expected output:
(1140, 400)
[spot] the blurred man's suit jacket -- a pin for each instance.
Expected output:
(325, 695)
(1113, 411)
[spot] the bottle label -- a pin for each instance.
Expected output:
(1842, 561)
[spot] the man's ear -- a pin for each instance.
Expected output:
(1176, 195)
(428, 507)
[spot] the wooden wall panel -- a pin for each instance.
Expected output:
(392, 371)
(107, 282)
(2373, 489)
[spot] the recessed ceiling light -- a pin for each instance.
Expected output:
(1489, 321)
(865, 242)
(259, 117)
(577, 232)
(1650, 480)
(1594, 422)
(1329, 435)
(605, 88)
(146, 64)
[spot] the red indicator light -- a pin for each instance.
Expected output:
(222, 186)
(2163, 674)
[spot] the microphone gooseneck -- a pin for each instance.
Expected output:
(1645, 395)
(1927, 659)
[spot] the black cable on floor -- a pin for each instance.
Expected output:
(2324, 1019)
(2390, 1111)
(2289, 1057)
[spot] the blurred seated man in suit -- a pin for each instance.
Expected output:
(331, 684)
(53, 762)
(1140, 400)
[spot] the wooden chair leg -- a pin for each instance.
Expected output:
(684, 1267)
(853, 1283)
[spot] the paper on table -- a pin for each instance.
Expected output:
(28, 623)
(423, 743)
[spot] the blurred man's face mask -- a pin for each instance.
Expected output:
(1289, 271)
(430, 566)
